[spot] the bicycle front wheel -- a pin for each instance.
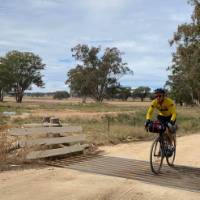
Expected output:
(156, 156)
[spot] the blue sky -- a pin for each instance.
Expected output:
(50, 28)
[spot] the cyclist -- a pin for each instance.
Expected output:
(166, 111)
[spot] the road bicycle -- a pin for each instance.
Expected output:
(162, 147)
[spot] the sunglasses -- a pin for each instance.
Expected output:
(158, 96)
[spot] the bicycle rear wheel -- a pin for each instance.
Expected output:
(170, 159)
(156, 156)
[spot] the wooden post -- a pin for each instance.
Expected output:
(108, 124)
(134, 121)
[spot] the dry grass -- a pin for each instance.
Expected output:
(9, 148)
(117, 133)
(126, 119)
(189, 111)
(5, 144)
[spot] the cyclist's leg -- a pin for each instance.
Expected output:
(169, 136)
(172, 134)
(165, 120)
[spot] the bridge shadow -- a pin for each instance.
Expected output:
(182, 177)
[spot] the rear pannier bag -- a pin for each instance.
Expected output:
(156, 127)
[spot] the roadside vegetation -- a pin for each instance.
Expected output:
(104, 123)
(107, 123)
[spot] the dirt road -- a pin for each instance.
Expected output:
(122, 172)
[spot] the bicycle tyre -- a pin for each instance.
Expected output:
(170, 160)
(156, 152)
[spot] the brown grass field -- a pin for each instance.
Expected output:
(111, 122)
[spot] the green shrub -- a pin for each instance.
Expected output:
(61, 95)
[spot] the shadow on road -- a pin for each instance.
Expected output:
(182, 177)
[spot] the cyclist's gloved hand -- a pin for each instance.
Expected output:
(172, 122)
(146, 124)
(172, 127)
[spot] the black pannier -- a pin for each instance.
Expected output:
(156, 127)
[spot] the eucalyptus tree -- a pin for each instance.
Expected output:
(79, 82)
(5, 81)
(184, 80)
(23, 69)
(118, 92)
(96, 71)
(3, 87)
(141, 92)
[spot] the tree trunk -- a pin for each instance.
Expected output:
(19, 93)
(192, 96)
(84, 99)
(19, 97)
(1, 94)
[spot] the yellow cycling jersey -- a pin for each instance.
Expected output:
(166, 108)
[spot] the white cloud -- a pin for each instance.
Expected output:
(180, 17)
(105, 4)
(139, 28)
(45, 3)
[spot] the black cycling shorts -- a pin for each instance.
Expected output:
(163, 119)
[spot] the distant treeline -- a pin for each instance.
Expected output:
(121, 93)
(55, 95)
